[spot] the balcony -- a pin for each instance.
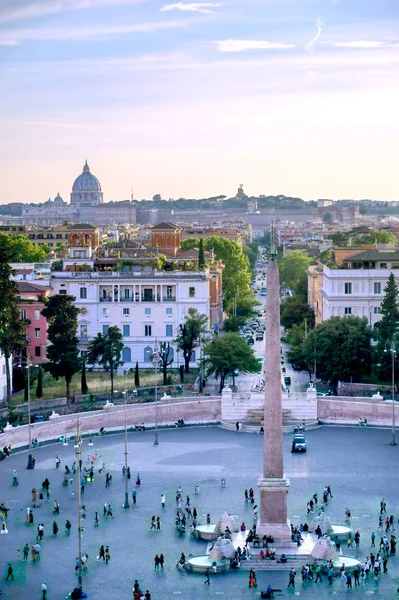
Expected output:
(150, 298)
(83, 337)
(169, 298)
(105, 299)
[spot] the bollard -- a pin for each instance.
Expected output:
(223, 482)
(196, 489)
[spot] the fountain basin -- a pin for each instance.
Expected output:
(349, 562)
(207, 532)
(339, 533)
(199, 564)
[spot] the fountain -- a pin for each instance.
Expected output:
(217, 561)
(212, 531)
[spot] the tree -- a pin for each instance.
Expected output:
(106, 350)
(24, 250)
(165, 359)
(233, 323)
(387, 328)
(340, 239)
(39, 385)
(223, 355)
(12, 328)
(295, 310)
(293, 269)
(62, 351)
(376, 237)
(136, 375)
(201, 255)
(327, 218)
(342, 346)
(189, 334)
(83, 383)
(236, 272)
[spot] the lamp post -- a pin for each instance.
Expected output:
(126, 503)
(30, 464)
(155, 357)
(78, 449)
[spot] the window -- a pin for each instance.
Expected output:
(22, 313)
(126, 312)
(348, 310)
(83, 332)
(63, 292)
(37, 332)
(105, 312)
(37, 351)
(126, 355)
(126, 330)
(169, 291)
(105, 329)
(83, 293)
(169, 331)
(147, 312)
(377, 287)
(348, 288)
(191, 292)
(148, 330)
(148, 354)
(383, 265)
(37, 315)
(169, 312)
(377, 310)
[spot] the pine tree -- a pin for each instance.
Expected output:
(201, 255)
(39, 385)
(387, 329)
(83, 383)
(136, 375)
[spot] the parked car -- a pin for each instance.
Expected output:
(298, 443)
(287, 381)
(259, 336)
(39, 419)
(250, 341)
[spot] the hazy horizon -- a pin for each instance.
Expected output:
(190, 99)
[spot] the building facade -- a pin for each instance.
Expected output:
(147, 306)
(357, 289)
(30, 305)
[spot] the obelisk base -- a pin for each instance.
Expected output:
(273, 509)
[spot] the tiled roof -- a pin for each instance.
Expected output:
(25, 286)
(165, 225)
(374, 255)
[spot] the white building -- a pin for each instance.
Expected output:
(147, 306)
(3, 379)
(356, 290)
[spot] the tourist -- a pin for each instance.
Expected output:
(349, 581)
(107, 555)
(25, 552)
(128, 475)
(101, 553)
(55, 528)
(57, 462)
(134, 496)
(318, 576)
(10, 573)
(161, 561)
(246, 495)
(68, 527)
(153, 526)
(330, 575)
(163, 500)
(109, 511)
(207, 577)
(291, 582)
(138, 480)
(208, 519)
(56, 510)
(158, 523)
(356, 574)
(44, 590)
(105, 508)
(373, 540)
(96, 521)
(156, 562)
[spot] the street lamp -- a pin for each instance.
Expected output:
(78, 449)
(126, 503)
(392, 350)
(28, 366)
(155, 358)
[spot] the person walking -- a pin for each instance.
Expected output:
(330, 576)
(158, 523)
(10, 573)
(55, 528)
(163, 500)
(101, 553)
(134, 496)
(44, 590)
(207, 577)
(68, 527)
(349, 581)
(373, 540)
(291, 582)
(26, 552)
(318, 576)
(356, 574)
(161, 561)
(107, 555)
(105, 508)
(156, 562)
(109, 511)
(56, 507)
(153, 526)
(96, 520)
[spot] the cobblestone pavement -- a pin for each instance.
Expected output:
(359, 464)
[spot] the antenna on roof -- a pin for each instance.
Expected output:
(131, 194)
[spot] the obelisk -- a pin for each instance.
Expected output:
(273, 486)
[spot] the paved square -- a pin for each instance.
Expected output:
(359, 464)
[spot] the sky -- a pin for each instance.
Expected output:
(191, 99)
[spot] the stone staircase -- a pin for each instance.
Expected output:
(294, 561)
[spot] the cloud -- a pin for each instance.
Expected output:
(201, 7)
(13, 37)
(32, 10)
(240, 45)
(359, 44)
(309, 45)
